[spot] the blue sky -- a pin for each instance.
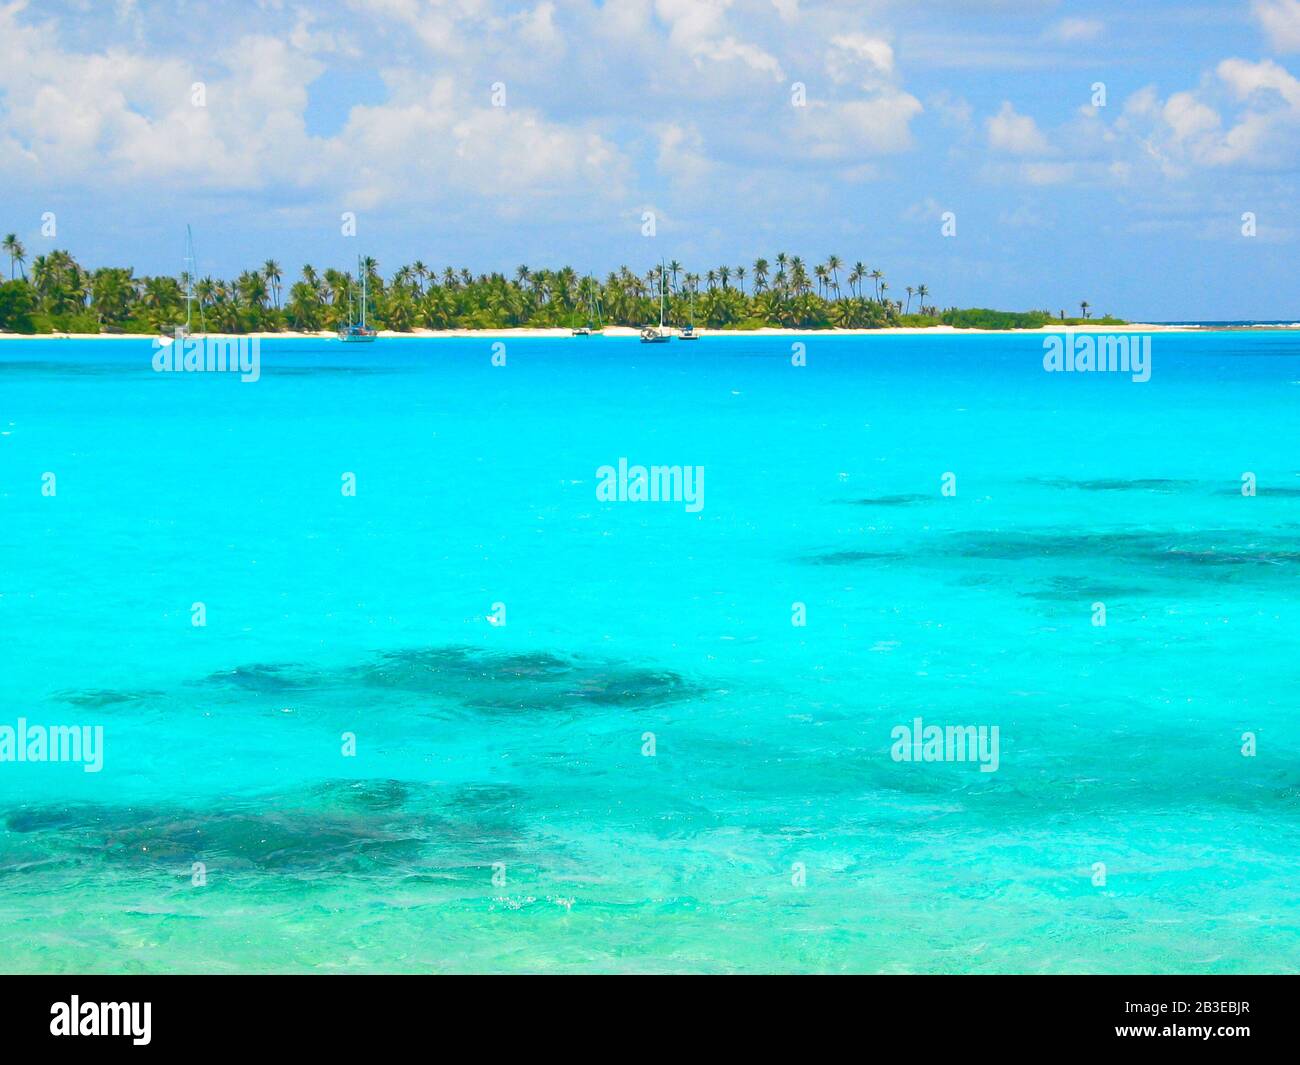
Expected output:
(685, 108)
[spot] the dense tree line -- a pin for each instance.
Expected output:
(58, 294)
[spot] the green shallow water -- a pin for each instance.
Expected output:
(517, 749)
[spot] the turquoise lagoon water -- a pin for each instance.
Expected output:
(516, 750)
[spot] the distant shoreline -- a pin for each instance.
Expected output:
(626, 331)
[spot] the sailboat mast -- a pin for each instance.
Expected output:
(361, 269)
(189, 277)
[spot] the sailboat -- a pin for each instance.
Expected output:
(593, 311)
(190, 269)
(358, 332)
(187, 275)
(651, 335)
(689, 332)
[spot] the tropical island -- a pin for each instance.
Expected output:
(61, 296)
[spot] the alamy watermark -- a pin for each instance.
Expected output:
(919, 742)
(190, 354)
(1070, 352)
(78, 1018)
(651, 484)
(53, 743)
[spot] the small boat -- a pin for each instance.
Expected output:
(187, 276)
(359, 332)
(191, 268)
(651, 335)
(689, 332)
(593, 311)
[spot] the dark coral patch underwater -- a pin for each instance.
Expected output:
(100, 697)
(482, 680)
(1225, 552)
(338, 826)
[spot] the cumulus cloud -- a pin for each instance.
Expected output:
(429, 141)
(1281, 21)
(1246, 115)
(1187, 117)
(124, 117)
(1260, 80)
(877, 125)
(130, 119)
(861, 59)
(385, 105)
(1016, 133)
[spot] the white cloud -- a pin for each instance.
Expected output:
(840, 130)
(955, 111)
(431, 139)
(1047, 173)
(1188, 117)
(683, 160)
(127, 119)
(856, 57)
(1281, 21)
(121, 117)
(728, 48)
(374, 104)
(1015, 133)
(1075, 30)
(1247, 115)
(1247, 79)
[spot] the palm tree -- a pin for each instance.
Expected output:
(909, 290)
(799, 276)
(205, 290)
(1084, 307)
(271, 271)
(921, 293)
(855, 277)
(17, 253)
(833, 264)
(304, 307)
(760, 274)
(877, 276)
(250, 288)
(60, 283)
(822, 276)
(162, 299)
(112, 292)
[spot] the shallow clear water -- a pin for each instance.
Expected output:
(522, 744)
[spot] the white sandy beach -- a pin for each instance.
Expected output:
(627, 331)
